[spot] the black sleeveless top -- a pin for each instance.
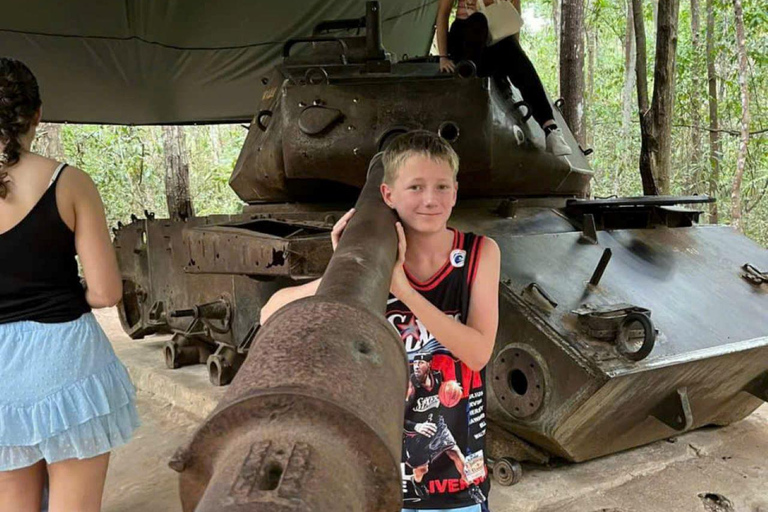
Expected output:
(38, 271)
(443, 392)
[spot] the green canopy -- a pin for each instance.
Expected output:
(176, 61)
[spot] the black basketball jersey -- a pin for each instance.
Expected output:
(443, 460)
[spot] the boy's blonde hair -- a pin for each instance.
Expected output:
(417, 142)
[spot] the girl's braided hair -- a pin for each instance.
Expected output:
(19, 102)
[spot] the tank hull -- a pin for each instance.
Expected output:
(711, 332)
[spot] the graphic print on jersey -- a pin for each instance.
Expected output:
(443, 463)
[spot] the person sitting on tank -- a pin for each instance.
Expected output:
(444, 306)
(467, 39)
(65, 399)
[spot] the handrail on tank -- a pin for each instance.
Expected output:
(371, 22)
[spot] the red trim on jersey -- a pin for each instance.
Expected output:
(477, 260)
(436, 279)
(472, 259)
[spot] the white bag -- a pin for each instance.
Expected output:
(503, 19)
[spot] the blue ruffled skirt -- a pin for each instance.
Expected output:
(63, 393)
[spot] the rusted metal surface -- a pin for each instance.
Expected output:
(374, 111)
(169, 268)
(610, 378)
(373, 220)
(313, 419)
(262, 247)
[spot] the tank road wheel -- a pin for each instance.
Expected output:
(507, 471)
(224, 364)
(178, 353)
(219, 371)
(181, 351)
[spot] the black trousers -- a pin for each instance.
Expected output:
(467, 40)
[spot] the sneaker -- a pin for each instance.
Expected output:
(556, 143)
(476, 494)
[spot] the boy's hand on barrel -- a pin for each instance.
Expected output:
(400, 285)
(338, 228)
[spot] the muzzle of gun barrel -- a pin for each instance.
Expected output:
(313, 420)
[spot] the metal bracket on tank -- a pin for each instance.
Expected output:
(507, 208)
(675, 411)
(613, 323)
(157, 315)
(204, 315)
(754, 275)
(589, 229)
(759, 387)
(536, 295)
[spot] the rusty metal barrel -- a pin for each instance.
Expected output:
(313, 420)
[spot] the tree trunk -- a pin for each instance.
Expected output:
(556, 23)
(572, 66)
(629, 72)
(215, 136)
(741, 160)
(177, 173)
(695, 179)
(647, 137)
(663, 102)
(714, 136)
(591, 37)
(48, 141)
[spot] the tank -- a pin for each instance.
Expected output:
(622, 321)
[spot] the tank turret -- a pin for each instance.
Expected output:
(325, 112)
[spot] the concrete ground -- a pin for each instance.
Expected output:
(708, 470)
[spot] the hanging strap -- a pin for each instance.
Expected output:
(56, 174)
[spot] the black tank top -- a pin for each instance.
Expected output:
(443, 391)
(38, 270)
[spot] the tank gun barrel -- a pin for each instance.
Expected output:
(355, 257)
(313, 420)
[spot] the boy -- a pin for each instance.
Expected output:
(444, 305)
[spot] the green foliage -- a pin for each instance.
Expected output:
(616, 156)
(128, 165)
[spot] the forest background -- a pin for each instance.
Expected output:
(129, 163)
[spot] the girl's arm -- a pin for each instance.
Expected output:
(443, 15)
(471, 343)
(287, 295)
(104, 285)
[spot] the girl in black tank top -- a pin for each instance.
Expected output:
(39, 280)
(65, 399)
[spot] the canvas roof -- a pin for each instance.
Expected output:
(175, 61)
